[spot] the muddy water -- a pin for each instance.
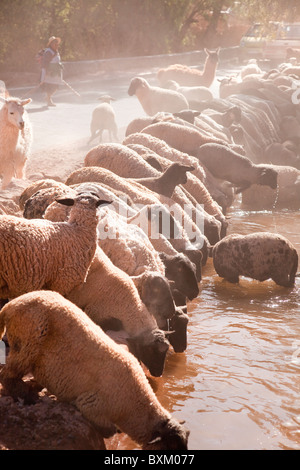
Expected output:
(237, 385)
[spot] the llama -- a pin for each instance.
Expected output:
(187, 76)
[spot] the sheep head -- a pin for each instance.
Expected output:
(150, 347)
(183, 272)
(268, 177)
(155, 292)
(135, 84)
(168, 435)
(177, 331)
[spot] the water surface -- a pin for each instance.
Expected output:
(237, 385)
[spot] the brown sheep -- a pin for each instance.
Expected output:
(261, 256)
(73, 358)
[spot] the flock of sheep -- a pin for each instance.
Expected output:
(99, 269)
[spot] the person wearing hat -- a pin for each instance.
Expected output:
(51, 74)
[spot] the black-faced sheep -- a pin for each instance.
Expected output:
(40, 254)
(154, 99)
(108, 296)
(165, 184)
(261, 256)
(228, 165)
(183, 273)
(69, 355)
(15, 139)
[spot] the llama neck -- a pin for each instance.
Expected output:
(209, 70)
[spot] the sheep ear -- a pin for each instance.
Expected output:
(4, 100)
(66, 201)
(102, 202)
(24, 102)
(154, 441)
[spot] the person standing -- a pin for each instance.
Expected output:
(51, 74)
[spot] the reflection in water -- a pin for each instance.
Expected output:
(237, 385)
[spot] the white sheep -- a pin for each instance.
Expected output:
(127, 163)
(40, 254)
(141, 195)
(154, 99)
(15, 139)
(192, 93)
(104, 118)
(251, 68)
(200, 183)
(130, 250)
(74, 359)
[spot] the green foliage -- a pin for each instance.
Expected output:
(97, 29)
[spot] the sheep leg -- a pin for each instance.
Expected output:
(228, 275)
(283, 281)
(94, 134)
(89, 405)
(243, 187)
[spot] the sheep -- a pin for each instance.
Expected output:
(286, 195)
(290, 52)
(104, 118)
(174, 266)
(81, 354)
(36, 186)
(36, 204)
(129, 249)
(192, 93)
(201, 192)
(230, 116)
(178, 326)
(238, 169)
(183, 138)
(165, 184)
(119, 158)
(110, 298)
(251, 68)
(41, 254)
(142, 195)
(15, 139)
(155, 99)
(137, 124)
(187, 76)
(126, 245)
(286, 153)
(261, 256)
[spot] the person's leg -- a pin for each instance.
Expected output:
(50, 90)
